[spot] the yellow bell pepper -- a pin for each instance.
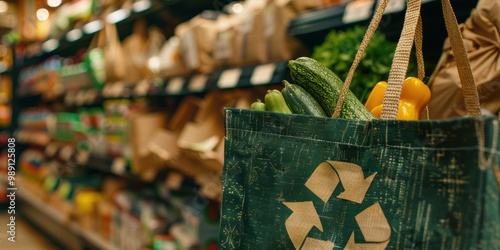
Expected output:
(415, 96)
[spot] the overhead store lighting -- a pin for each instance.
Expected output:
(42, 14)
(117, 15)
(74, 35)
(92, 27)
(4, 6)
(50, 45)
(54, 3)
(141, 5)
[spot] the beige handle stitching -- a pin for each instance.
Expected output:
(400, 62)
(469, 88)
(372, 27)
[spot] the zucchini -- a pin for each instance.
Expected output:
(275, 102)
(325, 86)
(300, 101)
(258, 105)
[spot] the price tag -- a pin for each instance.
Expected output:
(229, 78)
(118, 89)
(90, 96)
(174, 85)
(357, 11)
(107, 90)
(394, 6)
(118, 165)
(82, 157)
(66, 153)
(154, 85)
(174, 181)
(263, 74)
(69, 98)
(51, 150)
(198, 83)
(80, 97)
(142, 88)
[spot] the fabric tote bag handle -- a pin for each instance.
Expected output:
(412, 32)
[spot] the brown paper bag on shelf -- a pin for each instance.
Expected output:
(253, 32)
(143, 127)
(164, 142)
(280, 44)
(144, 43)
(228, 44)
(481, 35)
(198, 37)
(301, 5)
(202, 139)
(114, 59)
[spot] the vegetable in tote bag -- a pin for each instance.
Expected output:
(305, 182)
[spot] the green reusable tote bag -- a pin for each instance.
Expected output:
(304, 182)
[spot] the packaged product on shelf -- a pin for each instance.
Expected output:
(86, 208)
(139, 47)
(228, 50)
(75, 77)
(117, 128)
(142, 128)
(301, 5)
(161, 144)
(168, 62)
(165, 242)
(253, 32)
(68, 128)
(198, 37)
(104, 210)
(280, 45)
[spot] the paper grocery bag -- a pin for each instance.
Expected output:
(481, 35)
(304, 182)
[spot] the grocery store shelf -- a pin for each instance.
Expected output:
(90, 238)
(112, 165)
(312, 27)
(227, 78)
(32, 137)
(157, 12)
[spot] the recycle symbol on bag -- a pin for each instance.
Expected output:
(372, 221)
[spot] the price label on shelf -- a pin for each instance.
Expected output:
(69, 98)
(263, 74)
(118, 166)
(51, 150)
(229, 78)
(174, 85)
(66, 153)
(394, 6)
(357, 11)
(142, 88)
(90, 96)
(174, 181)
(198, 83)
(107, 90)
(80, 97)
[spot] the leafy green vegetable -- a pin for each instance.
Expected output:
(338, 52)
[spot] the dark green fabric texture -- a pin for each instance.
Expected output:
(428, 180)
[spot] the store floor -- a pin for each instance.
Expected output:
(27, 237)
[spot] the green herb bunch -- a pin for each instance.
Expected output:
(339, 49)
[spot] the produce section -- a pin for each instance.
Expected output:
(125, 115)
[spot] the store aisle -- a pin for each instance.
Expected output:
(27, 237)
